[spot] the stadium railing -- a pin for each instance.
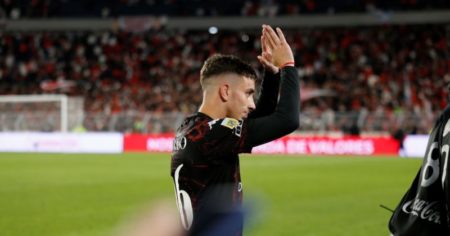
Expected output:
(45, 119)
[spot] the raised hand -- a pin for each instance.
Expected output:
(266, 56)
(277, 47)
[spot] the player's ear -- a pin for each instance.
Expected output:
(224, 92)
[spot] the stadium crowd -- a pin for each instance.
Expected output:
(114, 8)
(380, 78)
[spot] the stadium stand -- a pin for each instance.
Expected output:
(393, 72)
(105, 8)
(379, 78)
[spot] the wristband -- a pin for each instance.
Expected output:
(289, 63)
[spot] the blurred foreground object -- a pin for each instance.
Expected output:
(160, 219)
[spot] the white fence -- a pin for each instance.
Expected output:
(152, 122)
(61, 142)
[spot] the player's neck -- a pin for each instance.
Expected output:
(212, 109)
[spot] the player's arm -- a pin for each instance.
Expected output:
(267, 101)
(285, 118)
(271, 82)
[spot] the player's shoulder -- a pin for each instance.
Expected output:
(201, 126)
(201, 119)
(226, 122)
(225, 127)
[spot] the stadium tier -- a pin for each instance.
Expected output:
(105, 8)
(358, 79)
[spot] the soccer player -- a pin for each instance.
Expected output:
(425, 208)
(205, 162)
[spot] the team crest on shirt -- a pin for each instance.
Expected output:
(230, 123)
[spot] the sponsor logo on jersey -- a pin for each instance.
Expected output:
(230, 123)
(179, 143)
(425, 210)
(238, 129)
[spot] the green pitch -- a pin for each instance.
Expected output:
(90, 195)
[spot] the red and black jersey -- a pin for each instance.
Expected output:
(205, 161)
(205, 164)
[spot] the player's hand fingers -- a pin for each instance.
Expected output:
(264, 59)
(263, 44)
(273, 35)
(281, 35)
(268, 65)
(270, 44)
(267, 56)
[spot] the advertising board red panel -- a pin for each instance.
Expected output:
(286, 145)
(330, 146)
(148, 143)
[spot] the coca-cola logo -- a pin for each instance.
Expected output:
(428, 211)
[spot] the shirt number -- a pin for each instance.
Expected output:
(445, 149)
(430, 172)
(184, 203)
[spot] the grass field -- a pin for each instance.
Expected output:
(90, 195)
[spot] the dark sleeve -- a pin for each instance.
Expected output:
(267, 102)
(285, 118)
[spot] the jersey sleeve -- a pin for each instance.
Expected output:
(267, 101)
(285, 118)
(220, 136)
